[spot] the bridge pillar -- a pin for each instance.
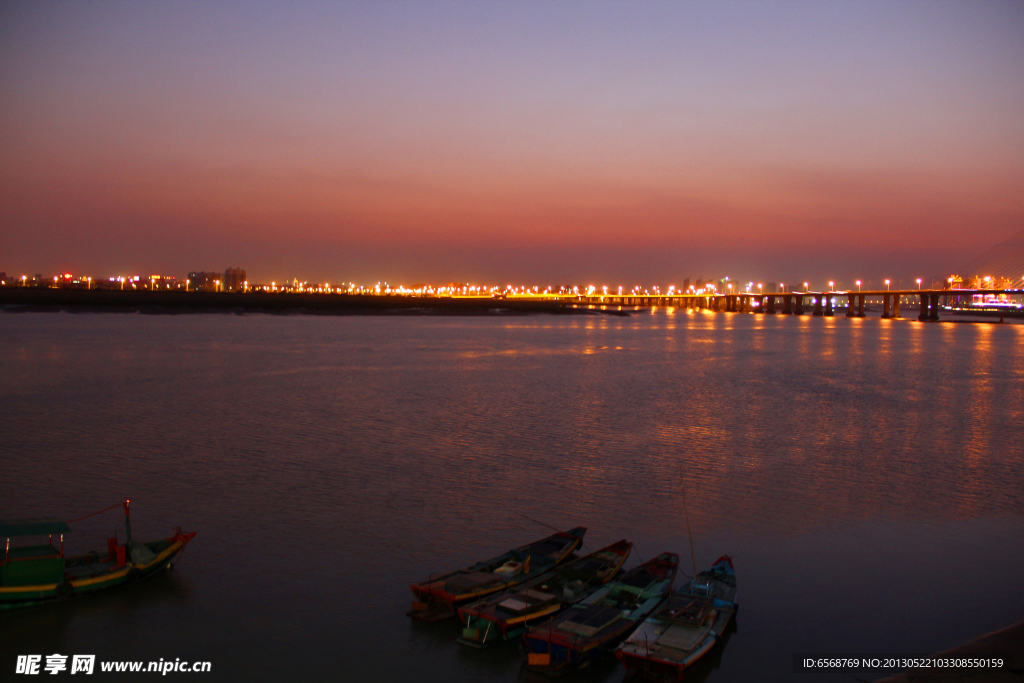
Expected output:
(787, 305)
(771, 304)
(828, 306)
(885, 306)
(817, 305)
(860, 305)
(851, 307)
(934, 313)
(799, 301)
(923, 315)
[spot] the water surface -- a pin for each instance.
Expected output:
(866, 476)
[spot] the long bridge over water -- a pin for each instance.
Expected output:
(821, 303)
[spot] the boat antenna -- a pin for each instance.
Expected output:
(686, 515)
(537, 521)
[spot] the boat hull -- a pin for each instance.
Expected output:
(662, 669)
(439, 598)
(590, 628)
(508, 615)
(23, 596)
(686, 628)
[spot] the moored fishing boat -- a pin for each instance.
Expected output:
(597, 624)
(685, 627)
(31, 574)
(507, 615)
(439, 596)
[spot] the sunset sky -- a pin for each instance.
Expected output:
(549, 142)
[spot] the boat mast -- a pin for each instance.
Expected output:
(128, 524)
(686, 515)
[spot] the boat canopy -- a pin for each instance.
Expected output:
(32, 527)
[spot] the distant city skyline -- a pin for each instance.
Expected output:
(510, 142)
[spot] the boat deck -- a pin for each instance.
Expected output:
(674, 642)
(90, 569)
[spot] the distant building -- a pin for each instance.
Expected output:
(157, 282)
(201, 281)
(686, 284)
(234, 280)
(772, 288)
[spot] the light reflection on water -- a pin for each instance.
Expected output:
(860, 472)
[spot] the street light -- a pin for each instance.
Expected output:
(831, 286)
(919, 283)
(760, 288)
(887, 285)
(806, 285)
(858, 285)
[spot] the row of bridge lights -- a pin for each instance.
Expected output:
(760, 287)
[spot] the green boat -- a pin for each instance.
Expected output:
(32, 574)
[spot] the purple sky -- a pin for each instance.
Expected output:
(540, 143)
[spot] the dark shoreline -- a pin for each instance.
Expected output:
(44, 300)
(33, 300)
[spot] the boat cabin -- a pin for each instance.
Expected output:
(32, 565)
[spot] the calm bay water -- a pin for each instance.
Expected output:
(865, 475)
